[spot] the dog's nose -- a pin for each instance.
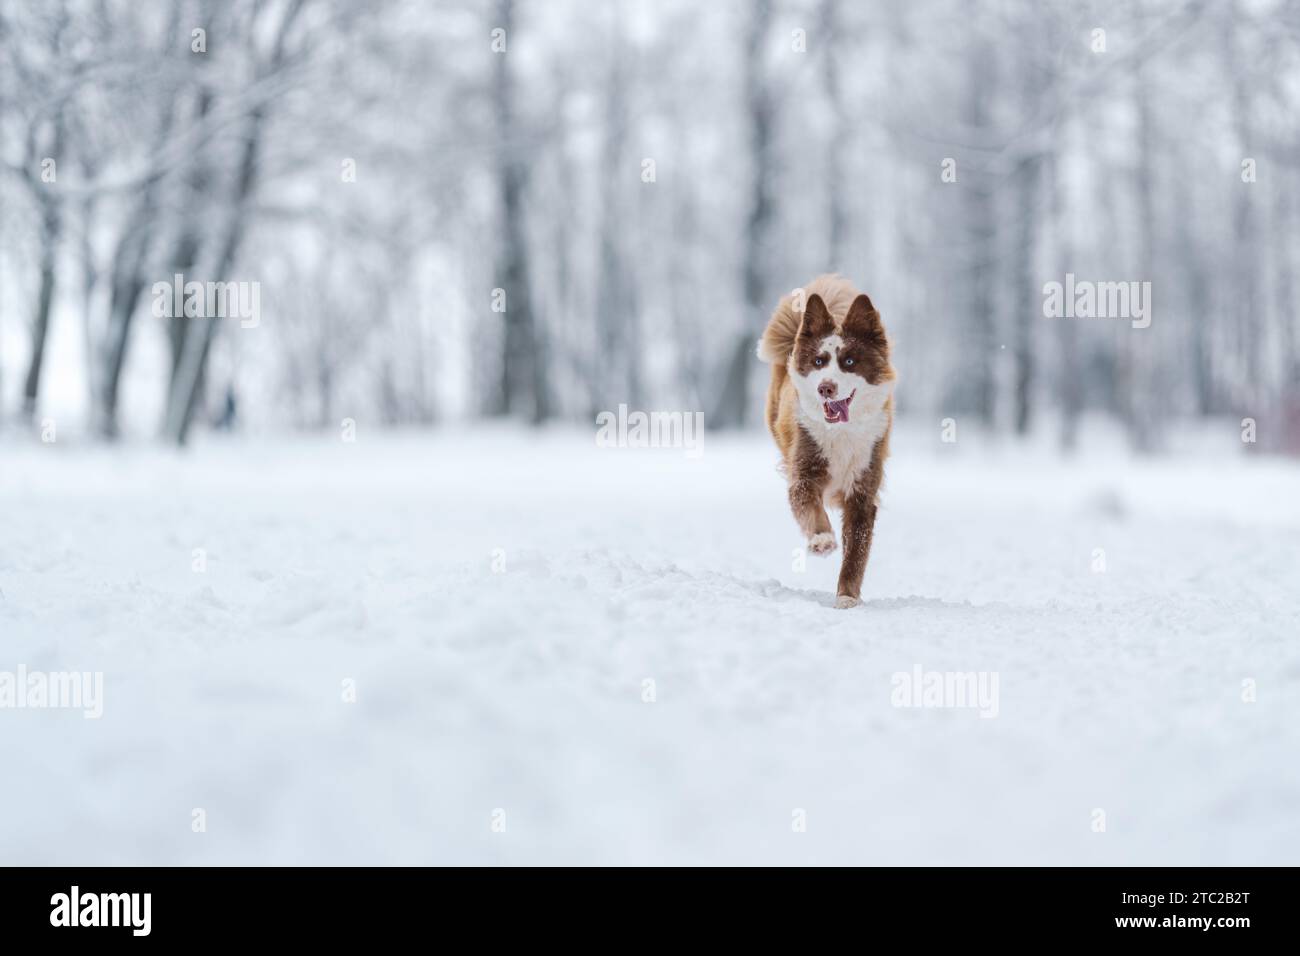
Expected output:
(827, 390)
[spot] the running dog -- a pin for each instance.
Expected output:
(830, 407)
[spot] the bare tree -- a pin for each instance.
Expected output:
(731, 406)
(979, 192)
(50, 230)
(43, 152)
(134, 243)
(619, 358)
(830, 33)
(184, 393)
(1137, 392)
(522, 386)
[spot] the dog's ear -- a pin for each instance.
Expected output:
(817, 322)
(863, 322)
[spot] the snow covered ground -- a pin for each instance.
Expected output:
(500, 600)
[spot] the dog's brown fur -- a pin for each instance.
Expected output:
(838, 466)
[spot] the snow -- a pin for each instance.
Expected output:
(499, 599)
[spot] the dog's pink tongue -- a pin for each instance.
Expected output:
(838, 410)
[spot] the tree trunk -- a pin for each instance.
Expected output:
(128, 284)
(981, 237)
(1069, 383)
(41, 320)
(1138, 387)
(619, 358)
(50, 229)
(182, 399)
(188, 245)
(187, 383)
(522, 386)
(836, 214)
(732, 404)
(683, 289)
(1028, 302)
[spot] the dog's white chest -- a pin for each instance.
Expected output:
(848, 452)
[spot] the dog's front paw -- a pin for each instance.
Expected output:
(823, 542)
(846, 601)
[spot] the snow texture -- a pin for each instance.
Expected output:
(500, 600)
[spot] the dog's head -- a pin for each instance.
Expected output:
(841, 372)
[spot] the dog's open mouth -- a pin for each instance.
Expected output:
(837, 410)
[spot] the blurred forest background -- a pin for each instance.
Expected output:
(643, 180)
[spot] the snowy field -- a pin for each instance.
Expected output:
(499, 601)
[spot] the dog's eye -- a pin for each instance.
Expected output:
(819, 361)
(847, 362)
